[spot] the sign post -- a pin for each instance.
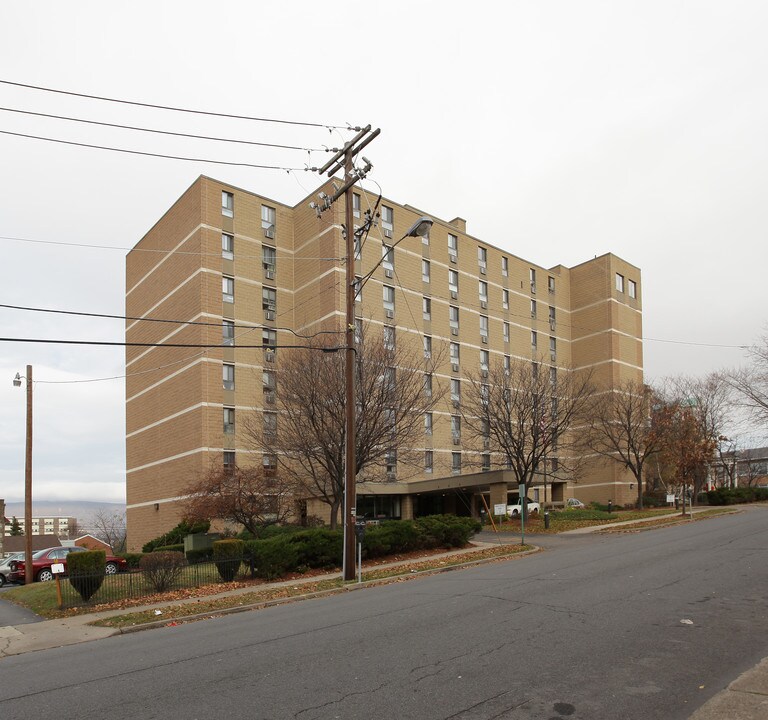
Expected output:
(58, 569)
(360, 535)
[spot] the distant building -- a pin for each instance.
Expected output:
(39, 542)
(92, 543)
(751, 468)
(58, 526)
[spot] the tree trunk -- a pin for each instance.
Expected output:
(334, 522)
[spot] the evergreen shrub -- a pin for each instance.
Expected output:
(86, 572)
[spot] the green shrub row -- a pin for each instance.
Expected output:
(86, 571)
(733, 496)
(177, 535)
(577, 514)
(321, 548)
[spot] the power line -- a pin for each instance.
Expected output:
(157, 155)
(178, 109)
(164, 252)
(105, 343)
(168, 132)
(164, 320)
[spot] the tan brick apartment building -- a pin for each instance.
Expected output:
(225, 257)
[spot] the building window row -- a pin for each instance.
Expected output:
(631, 286)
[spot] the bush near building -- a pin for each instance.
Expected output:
(733, 496)
(227, 556)
(86, 572)
(162, 569)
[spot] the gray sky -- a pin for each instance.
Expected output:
(559, 130)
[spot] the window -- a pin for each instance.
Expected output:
(389, 300)
(425, 271)
(551, 284)
(269, 258)
(486, 462)
(551, 318)
(620, 282)
(456, 426)
(390, 379)
(455, 353)
(453, 281)
(453, 316)
(505, 266)
(456, 463)
(268, 298)
(228, 459)
(228, 332)
(387, 258)
(632, 289)
(553, 348)
(505, 299)
(228, 376)
(428, 460)
(428, 384)
(455, 390)
(269, 465)
(268, 385)
(358, 246)
(228, 289)
(389, 337)
(534, 308)
(358, 289)
(553, 375)
(229, 420)
(356, 204)
(387, 220)
(453, 247)
(534, 339)
(506, 332)
(426, 308)
(227, 246)
(484, 328)
(390, 458)
(507, 364)
(482, 259)
(270, 424)
(227, 203)
(358, 331)
(483, 291)
(484, 358)
(268, 338)
(427, 346)
(532, 277)
(268, 218)
(428, 423)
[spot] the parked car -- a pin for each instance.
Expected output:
(5, 566)
(574, 503)
(515, 510)
(42, 561)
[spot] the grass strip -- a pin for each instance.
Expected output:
(669, 521)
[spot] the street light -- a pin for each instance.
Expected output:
(28, 577)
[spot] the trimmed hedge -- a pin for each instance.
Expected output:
(177, 534)
(227, 555)
(86, 571)
(170, 548)
(734, 496)
(132, 559)
(199, 555)
(298, 551)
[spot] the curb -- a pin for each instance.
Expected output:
(320, 593)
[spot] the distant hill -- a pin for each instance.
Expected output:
(82, 510)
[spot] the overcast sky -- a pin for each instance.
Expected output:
(559, 130)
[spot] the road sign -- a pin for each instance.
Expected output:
(57, 568)
(500, 509)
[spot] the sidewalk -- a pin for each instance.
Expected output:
(47, 634)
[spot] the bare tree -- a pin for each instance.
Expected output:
(308, 434)
(251, 496)
(751, 383)
(523, 415)
(622, 431)
(109, 527)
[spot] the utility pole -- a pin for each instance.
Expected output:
(345, 158)
(28, 574)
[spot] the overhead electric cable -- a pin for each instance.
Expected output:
(106, 343)
(157, 155)
(178, 109)
(155, 250)
(168, 132)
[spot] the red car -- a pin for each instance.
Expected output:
(43, 559)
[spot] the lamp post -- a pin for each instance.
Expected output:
(28, 577)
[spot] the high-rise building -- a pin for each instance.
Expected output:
(236, 266)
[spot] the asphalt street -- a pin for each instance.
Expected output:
(646, 625)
